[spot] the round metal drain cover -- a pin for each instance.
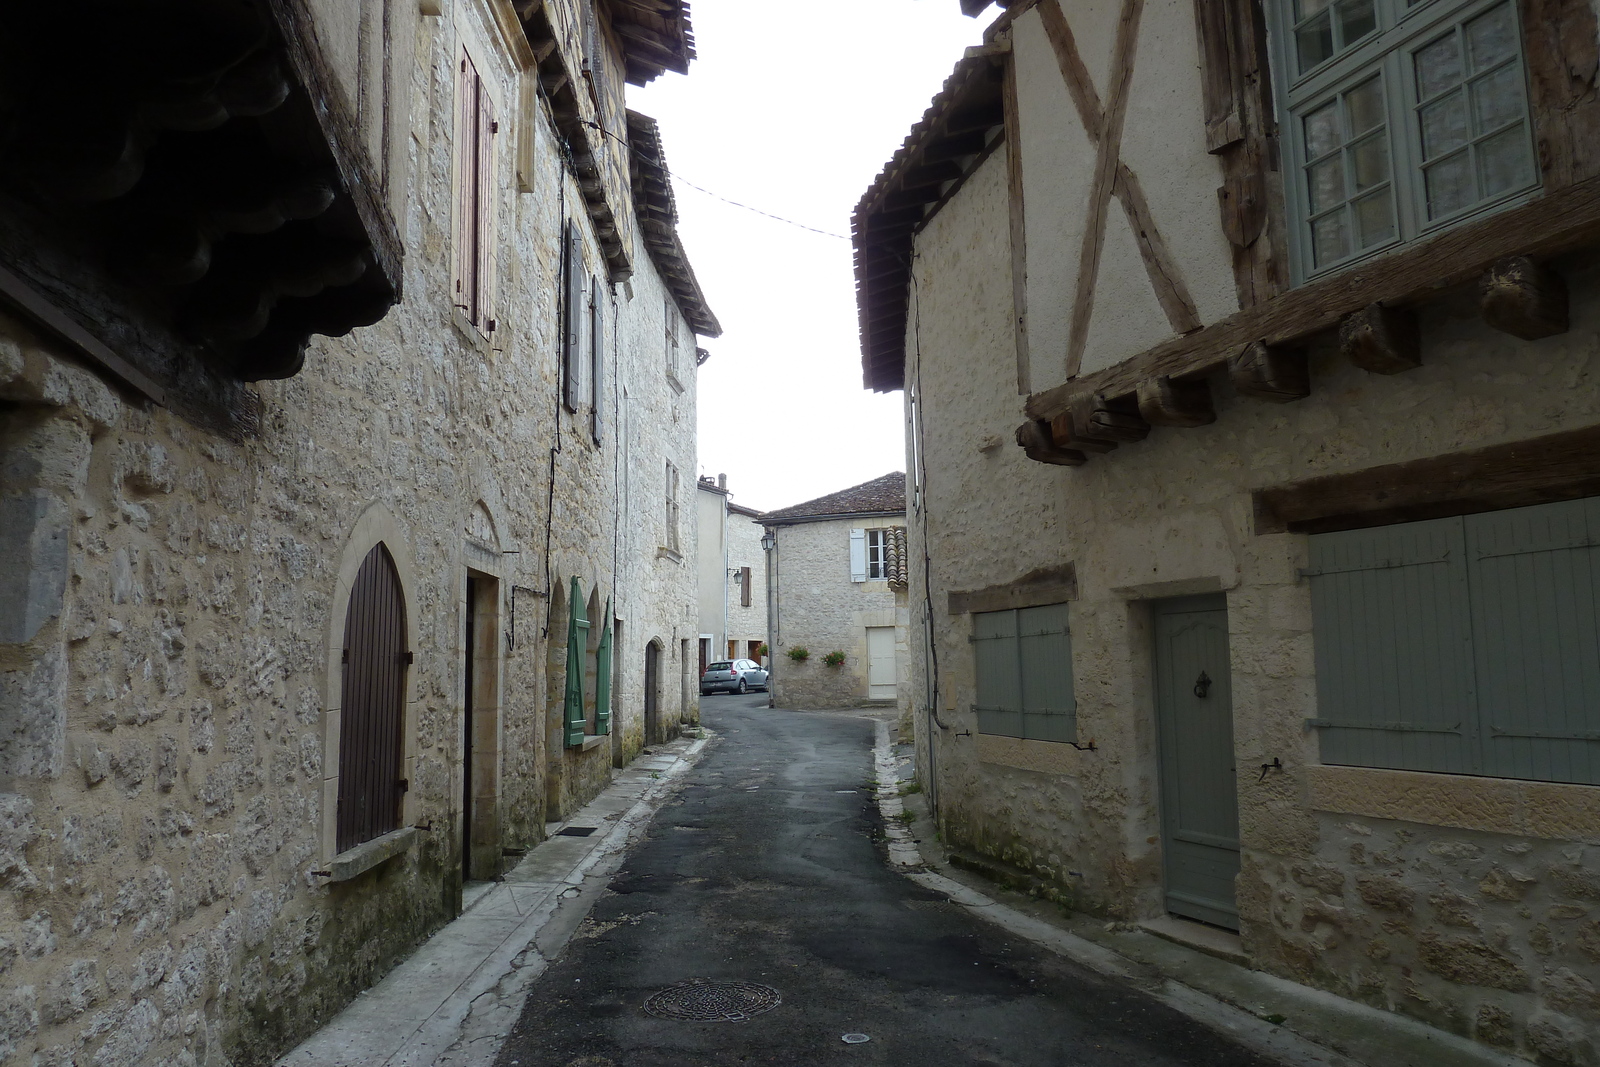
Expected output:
(706, 1000)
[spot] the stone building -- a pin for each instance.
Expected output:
(347, 394)
(733, 592)
(1277, 610)
(837, 568)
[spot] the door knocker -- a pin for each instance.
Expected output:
(1201, 684)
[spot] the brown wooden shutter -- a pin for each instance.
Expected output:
(483, 210)
(744, 587)
(464, 250)
(597, 359)
(572, 314)
(372, 704)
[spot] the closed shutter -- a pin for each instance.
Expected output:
(372, 704)
(572, 316)
(1535, 587)
(1044, 662)
(577, 644)
(999, 692)
(1390, 615)
(744, 587)
(597, 360)
(858, 555)
(464, 258)
(483, 213)
(602, 678)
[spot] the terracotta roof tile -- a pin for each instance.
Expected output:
(881, 495)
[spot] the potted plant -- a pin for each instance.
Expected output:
(799, 653)
(834, 658)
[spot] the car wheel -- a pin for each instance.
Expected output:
(743, 688)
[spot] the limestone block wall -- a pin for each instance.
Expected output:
(1471, 903)
(168, 662)
(822, 610)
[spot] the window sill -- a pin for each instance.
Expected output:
(1043, 757)
(593, 741)
(357, 861)
(667, 553)
(1550, 810)
(469, 332)
(672, 380)
(1562, 221)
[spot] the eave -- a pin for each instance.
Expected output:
(658, 221)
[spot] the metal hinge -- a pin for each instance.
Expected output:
(1404, 727)
(404, 784)
(344, 656)
(408, 658)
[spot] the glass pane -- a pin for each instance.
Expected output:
(1369, 161)
(1491, 37)
(1449, 185)
(1322, 131)
(1438, 66)
(1356, 19)
(1364, 106)
(1315, 41)
(1497, 98)
(1328, 239)
(1326, 182)
(1444, 126)
(1304, 9)
(1503, 162)
(1375, 219)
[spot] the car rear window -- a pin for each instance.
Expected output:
(719, 667)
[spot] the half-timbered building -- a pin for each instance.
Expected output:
(1249, 358)
(347, 366)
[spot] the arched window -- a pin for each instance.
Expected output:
(372, 703)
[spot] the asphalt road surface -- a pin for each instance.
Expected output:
(767, 869)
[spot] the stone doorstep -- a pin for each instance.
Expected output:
(1212, 940)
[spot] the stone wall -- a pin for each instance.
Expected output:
(822, 610)
(746, 624)
(1471, 903)
(170, 679)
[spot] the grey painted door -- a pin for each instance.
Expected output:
(1194, 724)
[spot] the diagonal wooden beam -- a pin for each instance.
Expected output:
(1165, 278)
(1079, 85)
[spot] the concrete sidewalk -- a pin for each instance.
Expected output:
(453, 1000)
(1295, 1024)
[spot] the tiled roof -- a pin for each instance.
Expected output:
(884, 495)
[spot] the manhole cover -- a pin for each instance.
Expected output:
(704, 1000)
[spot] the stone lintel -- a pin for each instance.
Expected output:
(1549, 810)
(1045, 757)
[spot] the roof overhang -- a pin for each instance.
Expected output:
(658, 220)
(655, 36)
(800, 520)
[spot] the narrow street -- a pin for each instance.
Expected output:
(767, 868)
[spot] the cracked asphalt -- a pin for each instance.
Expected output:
(767, 867)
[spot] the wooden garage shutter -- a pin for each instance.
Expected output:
(1466, 645)
(1025, 687)
(372, 704)
(577, 647)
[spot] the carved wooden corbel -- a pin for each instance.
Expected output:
(1275, 373)
(1037, 442)
(1381, 339)
(1105, 419)
(1524, 298)
(1168, 401)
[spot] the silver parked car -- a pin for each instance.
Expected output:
(734, 675)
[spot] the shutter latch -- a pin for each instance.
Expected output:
(404, 784)
(408, 657)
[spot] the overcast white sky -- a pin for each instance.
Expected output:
(795, 116)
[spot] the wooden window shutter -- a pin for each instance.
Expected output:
(577, 645)
(858, 555)
(572, 315)
(1044, 671)
(483, 212)
(372, 704)
(602, 678)
(464, 248)
(597, 359)
(998, 692)
(744, 587)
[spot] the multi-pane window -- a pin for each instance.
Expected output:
(877, 553)
(1023, 661)
(1401, 117)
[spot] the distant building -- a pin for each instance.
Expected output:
(733, 587)
(839, 585)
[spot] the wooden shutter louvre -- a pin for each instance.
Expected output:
(596, 360)
(602, 678)
(577, 646)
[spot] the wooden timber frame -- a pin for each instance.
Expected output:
(658, 218)
(1508, 255)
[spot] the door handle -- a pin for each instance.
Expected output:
(1201, 685)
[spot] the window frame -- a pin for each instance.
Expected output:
(1386, 52)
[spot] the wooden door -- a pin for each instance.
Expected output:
(372, 704)
(652, 694)
(880, 663)
(1194, 723)
(468, 669)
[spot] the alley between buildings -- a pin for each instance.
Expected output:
(767, 868)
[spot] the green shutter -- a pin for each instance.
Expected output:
(1535, 587)
(577, 639)
(602, 678)
(994, 647)
(1044, 663)
(1390, 615)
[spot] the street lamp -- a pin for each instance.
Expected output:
(769, 543)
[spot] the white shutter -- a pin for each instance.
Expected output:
(858, 555)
